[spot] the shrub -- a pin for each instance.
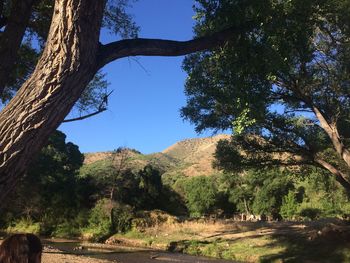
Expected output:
(107, 218)
(24, 226)
(311, 213)
(122, 217)
(201, 195)
(289, 206)
(100, 226)
(66, 230)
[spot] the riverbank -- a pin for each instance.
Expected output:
(318, 241)
(102, 253)
(58, 257)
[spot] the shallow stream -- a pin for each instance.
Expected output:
(122, 254)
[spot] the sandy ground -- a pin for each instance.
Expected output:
(61, 258)
(55, 256)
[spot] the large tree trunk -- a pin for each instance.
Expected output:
(67, 65)
(12, 36)
(71, 58)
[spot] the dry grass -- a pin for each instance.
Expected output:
(252, 242)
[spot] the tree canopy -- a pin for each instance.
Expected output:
(281, 84)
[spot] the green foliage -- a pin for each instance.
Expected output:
(270, 190)
(52, 194)
(24, 225)
(322, 196)
(201, 195)
(141, 189)
(122, 216)
(100, 224)
(310, 213)
(286, 61)
(49, 187)
(108, 218)
(66, 230)
(289, 206)
(257, 191)
(151, 185)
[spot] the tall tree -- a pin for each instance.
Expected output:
(20, 49)
(51, 187)
(69, 61)
(282, 85)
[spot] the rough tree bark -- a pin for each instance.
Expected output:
(71, 58)
(67, 65)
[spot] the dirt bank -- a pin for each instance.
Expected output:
(56, 256)
(61, 258)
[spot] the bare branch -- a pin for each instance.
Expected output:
(85, 116)
(101, 108)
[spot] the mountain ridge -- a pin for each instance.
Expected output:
(189, 157)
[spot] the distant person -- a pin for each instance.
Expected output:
(21, 248)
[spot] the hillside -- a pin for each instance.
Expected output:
(191, 157)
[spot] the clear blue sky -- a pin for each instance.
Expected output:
(143, 110)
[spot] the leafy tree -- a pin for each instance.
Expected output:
(51, 192)
(71, 57)
(101, 225)
(271, 187)
(114, 178)
(239, 190)
(281, 84)
(117, 181)
(321, 196)
(289, 206)
(201, 195)
(258, 191)
(151, 186)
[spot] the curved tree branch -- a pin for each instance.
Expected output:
(332, 131)
(161, 47)
(85, 116)
(342, 178)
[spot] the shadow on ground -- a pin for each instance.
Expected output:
(330, 244)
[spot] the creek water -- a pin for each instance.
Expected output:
(122, 254)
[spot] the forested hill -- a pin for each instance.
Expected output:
(190, 157)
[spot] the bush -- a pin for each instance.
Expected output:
(100, 226)
(289, 206)
(201, 195)
(311, 213)
(152, 218)
(24, 226)
(107, 218)
(122, 217)
(66, 230)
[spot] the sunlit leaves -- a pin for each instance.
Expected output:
(287, 58)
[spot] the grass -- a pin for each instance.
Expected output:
(250, 242)
(24, 226)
